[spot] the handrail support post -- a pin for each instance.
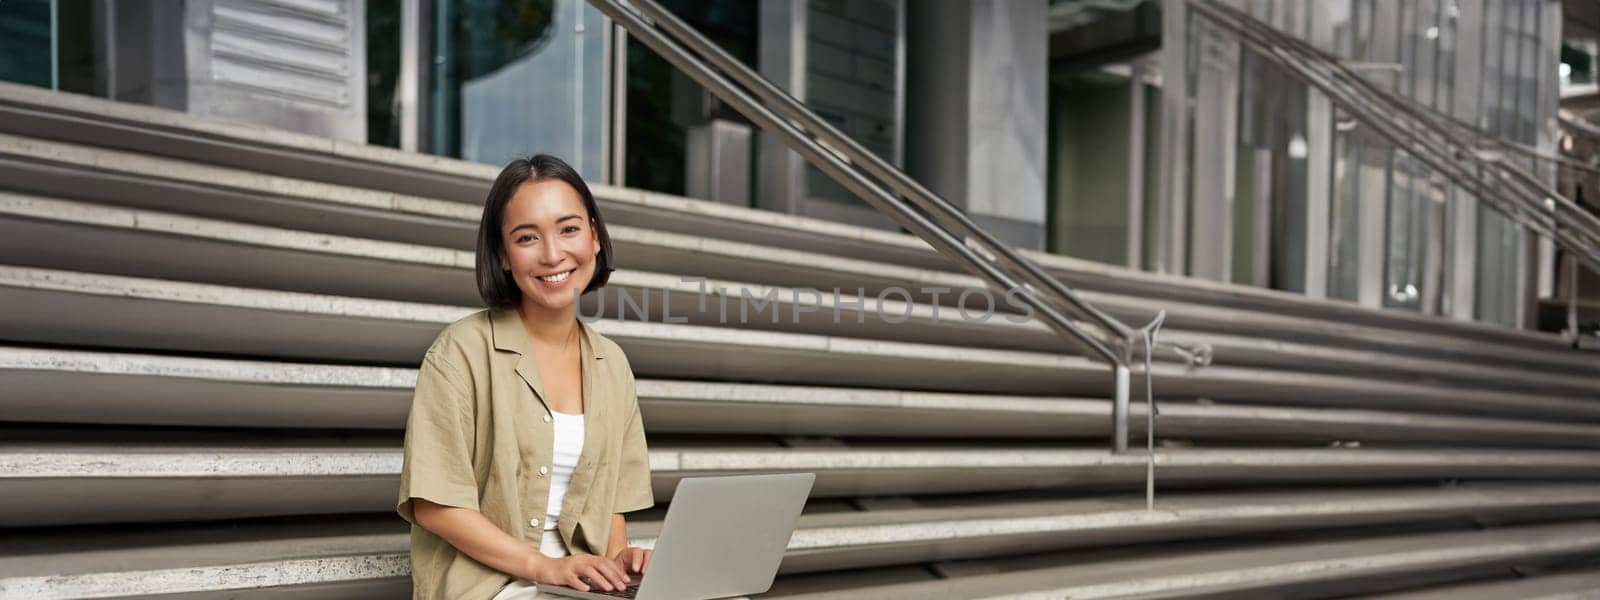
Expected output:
(1119, 407)
(1572, 300)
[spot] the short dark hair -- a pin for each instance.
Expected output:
(495, 285)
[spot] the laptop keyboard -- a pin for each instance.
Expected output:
(628, 592)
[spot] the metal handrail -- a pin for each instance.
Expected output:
(941, 209)
(1499, 183)
(949, 231)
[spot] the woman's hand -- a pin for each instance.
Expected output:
(579, 571)
(633, 560)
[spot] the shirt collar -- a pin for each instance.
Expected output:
(509, 334)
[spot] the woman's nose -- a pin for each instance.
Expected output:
(549, 252)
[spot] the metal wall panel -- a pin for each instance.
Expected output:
(297, 65)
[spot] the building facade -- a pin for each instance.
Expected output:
(1132, 133)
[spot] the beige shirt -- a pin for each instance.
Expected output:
(480, 436)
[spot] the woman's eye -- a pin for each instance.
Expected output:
(524, 239)
(570, 229)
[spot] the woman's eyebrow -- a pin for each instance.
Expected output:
(536, 227)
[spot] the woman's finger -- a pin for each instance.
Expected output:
(609, 571)
(576, 582)
(636, 557)
(646, 564)
(596, 577)
(616, 572)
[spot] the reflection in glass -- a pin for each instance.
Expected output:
(511, 78)
(1387, 211)
(383, 73)
(26, 55)
(663, 103)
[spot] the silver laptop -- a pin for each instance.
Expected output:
(723, 536)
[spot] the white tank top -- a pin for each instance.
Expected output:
(569, 444)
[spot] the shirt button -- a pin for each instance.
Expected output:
(543, 470)
(534, 522)
(547, 418)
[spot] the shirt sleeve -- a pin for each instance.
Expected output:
(438, 441)
(633, 473)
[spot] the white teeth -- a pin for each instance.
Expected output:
(557, 278)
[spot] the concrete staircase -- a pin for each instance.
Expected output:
(208, 335)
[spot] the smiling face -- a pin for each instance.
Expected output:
(548, 243)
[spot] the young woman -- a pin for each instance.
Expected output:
(524, 446)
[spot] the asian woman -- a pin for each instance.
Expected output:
(524, 446)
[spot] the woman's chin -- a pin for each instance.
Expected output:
(547, 304)
(551, 300)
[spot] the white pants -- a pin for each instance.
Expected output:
(522, 589)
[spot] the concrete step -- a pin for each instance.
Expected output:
(1560, 585)
(62, 477)
(345, 557)
(1316, 569)
(361, 551)
(81, 309)
(74, 386)
(973, 528)
(145, 130)
(358, 212)
(38, 232)
(69, 308)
